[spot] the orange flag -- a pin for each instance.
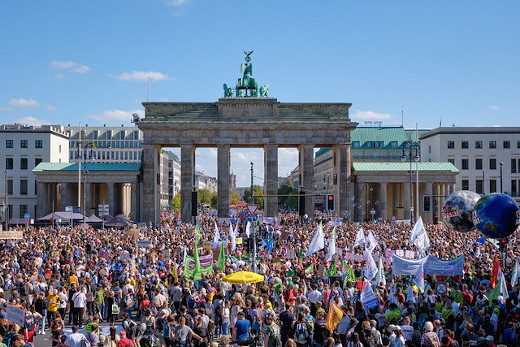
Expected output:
(335, 314)
(494, 273)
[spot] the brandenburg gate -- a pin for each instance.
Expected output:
(244, 117)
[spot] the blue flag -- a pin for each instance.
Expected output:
(482, 240)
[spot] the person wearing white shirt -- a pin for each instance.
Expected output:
(80, 300)
(314, 296)
(74, 339)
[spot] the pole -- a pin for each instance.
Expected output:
(483, 182)
(79, 169)
(252, 222)
(411, 185)
(417, 158)
(501, 181)
(6, 204)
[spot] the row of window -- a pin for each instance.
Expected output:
(478, 144)
(108, 134)
(24, 163)
(23, 209)
(478, 163)
(378, 155)
(24, 184)
(479, 186)
(111, 144)
(24, 143)
(109, 155)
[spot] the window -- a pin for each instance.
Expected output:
(513, 165)
(517, 144)
(109, 134)
(23, 187)
(23, 163)
(513, 188)
(37, 161)
(59, 149)
(136, 136)
(451, 144)
(478, 144)
(429, 148)
(9, 187)
(465, 184)
(8, 143)
(9, 163)
(492, 144)
(38, 144)
(35, 188)
(464, 144)
(492, 186)
(479, 187)
(451, 160)
(10, 209)
(492, 163)
(465, 164)
(478, 163)
(24, 143)
(506, 144)
(23, 210)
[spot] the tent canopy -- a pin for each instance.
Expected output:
(116, 222)
(93, 219)
(242, 277)
(64, 216)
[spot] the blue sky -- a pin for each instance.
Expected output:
(68, 61)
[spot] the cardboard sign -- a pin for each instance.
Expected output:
(144, 243)
(11, 235)
(166, 254)
(15, 315)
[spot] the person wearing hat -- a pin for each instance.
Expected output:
(399, 340)
(124, 341)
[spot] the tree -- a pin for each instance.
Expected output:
(176, 202)
(259, 196)
(214, 200)
(287, 189)
(203, 196)
(234, 197)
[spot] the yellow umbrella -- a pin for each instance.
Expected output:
(242, 277)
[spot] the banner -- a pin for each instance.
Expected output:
(206, 265)
(269, 220)
(335, 315)
(15, 315)
(432, 266)
(11, 235)
(368, 298)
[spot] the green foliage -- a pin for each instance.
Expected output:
(203, 196)
(234, 197)
(214, 200)
(288, 201)
(176, 202)
(259, 196)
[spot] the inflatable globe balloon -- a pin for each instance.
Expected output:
(496, 215)
(458, 208)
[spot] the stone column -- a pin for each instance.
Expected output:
(111, 198)
(223, 163)
(187, 176)
(342, 172)
(151, 183)
(306, 160)
(382, 201)
(64, 194)
(360, 208)
(41, 199)
(407, 206)
(271, 180)
(133, 195)
(87, 199)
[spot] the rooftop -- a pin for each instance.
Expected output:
(403, 166)
(87, 166)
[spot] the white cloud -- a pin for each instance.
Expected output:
(110, 116)
(494, 108)
(142, 76)
(359, 114)
(31, 121)
(21, 102)
(177, 3)
(68, 65)
(49, 107)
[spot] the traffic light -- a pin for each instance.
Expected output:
(330, 202)
(302, 204)
(194, 204)
(502, 245)
(427, 206)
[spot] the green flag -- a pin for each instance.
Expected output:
(495, 293)
(197, 271)
(309, 269)
(334, 268)
(221, 263)
(197, 233)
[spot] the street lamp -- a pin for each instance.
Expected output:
(410, 146)
(81, 155)
(6, 208)
(501, 178)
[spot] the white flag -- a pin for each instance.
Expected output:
(503, 288)
(418, 278)
(370, 242)
(514, 277)
(332, 245)
(216, 239)
(248, 228)
(380, 276)
(317, 242)
(409, 295)
(419, 237)
(360, 238)
(233, 238)
(368, 298)
(371, 267)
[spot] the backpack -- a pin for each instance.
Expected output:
(275, 335)
(302, 331)
(208, 308)
(8, 338)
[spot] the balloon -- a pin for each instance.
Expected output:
(496, 215)
(458, 208)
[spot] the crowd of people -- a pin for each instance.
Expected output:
(90, 287)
